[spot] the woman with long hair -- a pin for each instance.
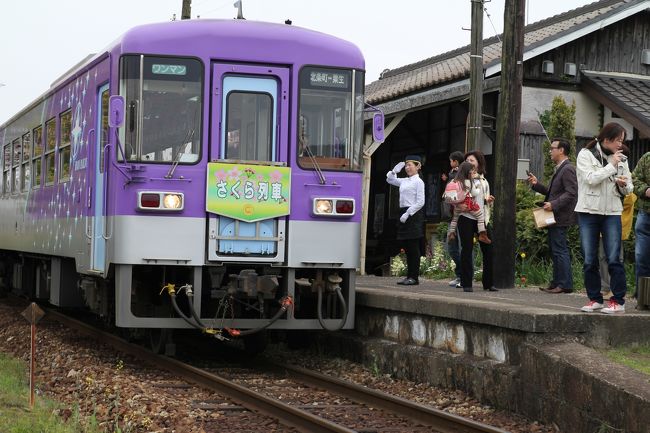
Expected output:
(468, 227)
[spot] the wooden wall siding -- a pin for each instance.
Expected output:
(638, 148)
(616, 48)
(530, 147)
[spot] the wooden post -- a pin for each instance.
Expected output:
(186, 12)
(32, 314)
(507, 143)
(475, 78)
(32, 367)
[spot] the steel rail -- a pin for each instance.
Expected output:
(292, 416)
(443, 421)
(285, 414)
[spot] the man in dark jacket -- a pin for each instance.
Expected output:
(560, 197)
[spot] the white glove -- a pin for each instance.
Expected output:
(400, 165)
(404, 217)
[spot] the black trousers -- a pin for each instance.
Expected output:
(467, 227)
(412, 247)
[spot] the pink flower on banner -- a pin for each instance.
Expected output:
(234, 173)
(275, 176)
(221, 175)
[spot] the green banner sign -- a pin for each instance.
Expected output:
(248, 192)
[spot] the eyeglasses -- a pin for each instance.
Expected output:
(554, 147)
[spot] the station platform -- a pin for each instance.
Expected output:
(525, 309)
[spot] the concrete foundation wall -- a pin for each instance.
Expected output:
(548, 377)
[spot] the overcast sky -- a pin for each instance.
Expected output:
(41, 39)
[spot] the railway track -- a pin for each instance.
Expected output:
(305, 400)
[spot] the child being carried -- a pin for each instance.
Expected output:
(462, 190)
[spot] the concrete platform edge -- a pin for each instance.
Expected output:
(581, 391)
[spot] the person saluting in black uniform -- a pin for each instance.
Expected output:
(410, 229)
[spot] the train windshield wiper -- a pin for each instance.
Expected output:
(181, 150)
(321, 176)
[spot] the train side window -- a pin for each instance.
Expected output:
(18, 153)
(37, 153)
(65, 131)
(50, 148)
(27, 159)
(6, 169)
(104, 131)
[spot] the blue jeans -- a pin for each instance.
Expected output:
(642, 248)
(562, 275)
(592, 227)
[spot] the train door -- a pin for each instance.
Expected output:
(98, 242)
(250, 110)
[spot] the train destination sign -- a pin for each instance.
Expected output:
(159, 69)
(328, 79)
(248, 192)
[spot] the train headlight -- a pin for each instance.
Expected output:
(323, 207)
(173, 201)
(160, 201)
(337, 207)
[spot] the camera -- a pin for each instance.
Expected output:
(623, 158)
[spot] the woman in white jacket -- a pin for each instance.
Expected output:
(603, 179)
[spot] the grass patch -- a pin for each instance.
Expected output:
(637, 358)
(15, 415)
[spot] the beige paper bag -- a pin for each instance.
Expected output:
(543, 218)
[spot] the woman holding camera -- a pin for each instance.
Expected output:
(603, 180)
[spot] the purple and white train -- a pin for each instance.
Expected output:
(201, 173)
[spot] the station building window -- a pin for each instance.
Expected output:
(65, 130)
(37, 153)
(27, 159)
(17, 157)
(50, 147)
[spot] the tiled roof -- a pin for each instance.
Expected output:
(454, 65)
(627, 94)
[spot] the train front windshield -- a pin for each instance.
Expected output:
(330, 128)
(163, 108)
